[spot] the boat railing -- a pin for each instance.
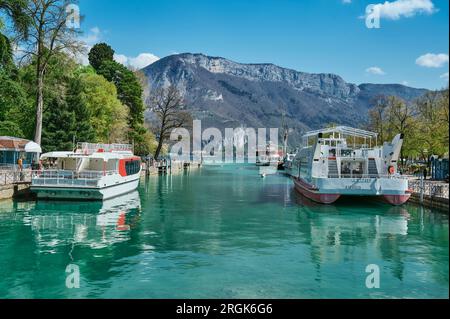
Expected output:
(68, 178)
(89, 148)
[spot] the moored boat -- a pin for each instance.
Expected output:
(344, 161)
(91, 172)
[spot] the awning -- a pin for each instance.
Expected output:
(32, 147)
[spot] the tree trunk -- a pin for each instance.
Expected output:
(39, 105)
(161, 136)
(158, 149)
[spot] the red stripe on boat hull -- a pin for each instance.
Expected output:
(309, 191)
(396, 200)
(312, 194)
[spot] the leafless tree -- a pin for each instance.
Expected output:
(168, 105)
(377, 116)
(48, 35)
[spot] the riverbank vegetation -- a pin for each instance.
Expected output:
(424, 123)
(47, 96)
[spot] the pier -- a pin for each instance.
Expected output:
(168, 167)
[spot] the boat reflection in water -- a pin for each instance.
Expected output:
(97, 224)
(383, 232)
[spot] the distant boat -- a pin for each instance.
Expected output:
(344, 161)
(91, 172)
(287, 164)
(270, 157)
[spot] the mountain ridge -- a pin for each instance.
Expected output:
(223, 93)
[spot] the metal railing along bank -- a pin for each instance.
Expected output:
(8, 177)
(430, 188)
(372, 176)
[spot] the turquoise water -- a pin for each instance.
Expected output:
(221, 232)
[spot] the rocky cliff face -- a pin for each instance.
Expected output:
(223, 93)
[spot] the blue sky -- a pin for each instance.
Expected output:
(320, 36)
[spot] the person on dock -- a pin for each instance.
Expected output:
(20, 166)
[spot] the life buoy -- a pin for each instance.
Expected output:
(391, 170)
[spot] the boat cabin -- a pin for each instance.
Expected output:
(345, 152)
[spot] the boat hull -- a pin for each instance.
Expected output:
(328, 191)
(85, 193)
(396, 200)
(308, 191)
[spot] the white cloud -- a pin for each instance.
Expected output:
(405, 83)
(375, 70)
(139, 62)
(94, 36)
(404, 8)
(122, 59)
(431, 60)
(346, 1)
(143, 60)
(444, 76)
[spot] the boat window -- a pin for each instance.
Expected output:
(333, 152)
(133, 167)
(346, 153)
(351, 169)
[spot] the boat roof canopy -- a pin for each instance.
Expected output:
(55, 155)
(343, 130)
(101, 155)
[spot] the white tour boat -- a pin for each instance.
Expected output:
(344, 161)
(92, 172)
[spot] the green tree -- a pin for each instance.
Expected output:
(59, 127)
(84, 132)
(390, 116)
(108, 116)
(7, 66)
(47, 35)
(60, 71)
(9, 128)
(13, 106)
(444, 116)
(433, 126)
(100, 53)
(15, 9)
(130, 93)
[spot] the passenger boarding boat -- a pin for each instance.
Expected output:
(92, 172)
(344, 161)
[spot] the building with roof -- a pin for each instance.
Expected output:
(13, 148)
